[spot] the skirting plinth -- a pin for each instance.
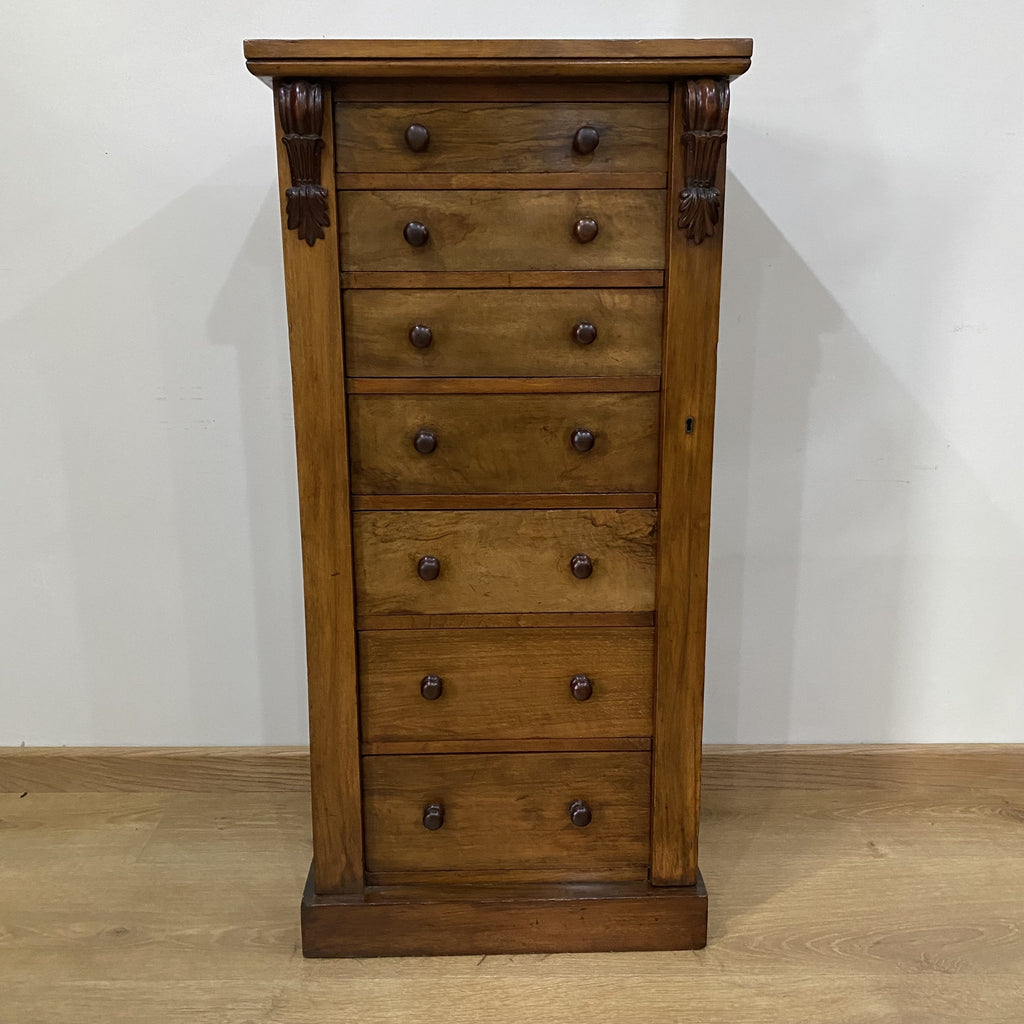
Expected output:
(445, 920)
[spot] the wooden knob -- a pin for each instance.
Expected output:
(429, 568)
(584, 333)
(416, 234)
(421, 336)
(584, 230)
(431, 687)
(582, 439)
(579, 814)
(433, 816)
(586, 139)
(581, 687)
(417, 137)
(581, 566)
(425, 441)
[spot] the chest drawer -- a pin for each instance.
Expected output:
(504, 561)
(497, 812)
(456, 684)
(501, 137)
(489, 332)
(477, 444)
(499, 229)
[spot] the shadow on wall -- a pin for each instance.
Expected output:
(823, 602)
(174, 452)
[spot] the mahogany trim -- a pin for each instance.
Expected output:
(300, 111)
(705, 112)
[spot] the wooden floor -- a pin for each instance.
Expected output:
(852, 885)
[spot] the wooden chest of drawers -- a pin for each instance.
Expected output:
(502, 263)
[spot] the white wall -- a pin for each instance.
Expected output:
(868, 540)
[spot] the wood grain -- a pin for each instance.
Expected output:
(498, 385)
(504, 561)
(503, 443)
(492, 230)
(868, 772)
(504, 279)
(568, 50)
(505, 137)
(500, 746)
(501, 180)
(509, 811)
(504, 683)
(543, 919)
(497, 90)
(406, 502)
(153, 769)
(693, 283)
(318, 380)
(849, 884)
(474, 334)
(507, 620)
(626, 69)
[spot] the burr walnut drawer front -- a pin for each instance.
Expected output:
(559, 560)
(458, 684)
(424, 138)
(476, 444)
(552, 816)
(490, 332)
(505, 230)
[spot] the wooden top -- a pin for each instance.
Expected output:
(558, 58)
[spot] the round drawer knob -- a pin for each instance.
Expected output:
(586, 139)
(582, 439)
(417, 137)
(584, 333)
(579, 814)
(584, 230)
(581, 566)
(431, 687)
(416, 234)
(433, 816)
(425, 441)
(421, 336)
(429, 568)
(581, 687)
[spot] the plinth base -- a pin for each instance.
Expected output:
(442, 920)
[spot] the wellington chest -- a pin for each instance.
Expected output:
(502, 263)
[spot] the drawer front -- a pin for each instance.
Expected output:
(486, 332)
(504, 561)
(508, 811)
(484, 444)
(502, 137)
(459, 684)
(502, 230)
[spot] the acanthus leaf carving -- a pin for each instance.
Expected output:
(705, 116)
(300, 106)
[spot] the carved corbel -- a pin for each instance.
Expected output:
(705, 116)
(300, 106)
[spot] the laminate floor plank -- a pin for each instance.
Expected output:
(872, 895)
